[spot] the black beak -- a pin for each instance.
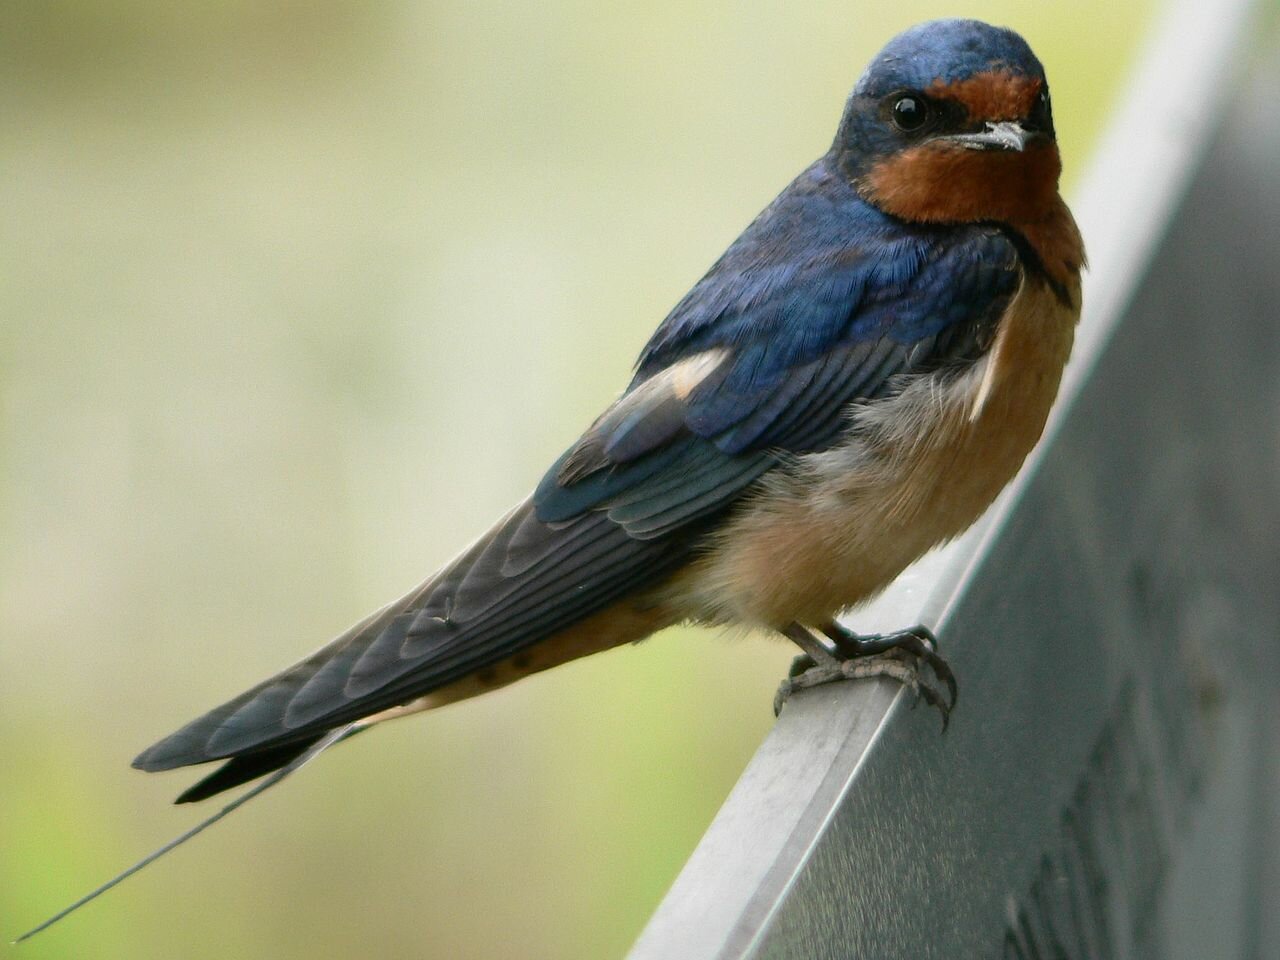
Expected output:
(1005, 135)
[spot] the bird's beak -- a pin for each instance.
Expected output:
(1005, 135)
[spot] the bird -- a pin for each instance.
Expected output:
(848, 386)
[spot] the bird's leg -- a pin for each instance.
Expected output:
(899, 655)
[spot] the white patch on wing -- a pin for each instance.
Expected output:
(648, 415)
(679, 379)
(691, 371)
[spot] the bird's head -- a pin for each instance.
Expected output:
(951, 123)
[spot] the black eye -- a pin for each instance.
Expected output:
(1041, 114)
(910, 113)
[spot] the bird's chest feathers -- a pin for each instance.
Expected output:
(935, 455)
(915, 471)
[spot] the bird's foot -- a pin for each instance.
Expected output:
(917, 643)
(900, 655)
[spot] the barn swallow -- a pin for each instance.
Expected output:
(849, 385)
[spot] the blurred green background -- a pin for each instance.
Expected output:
(296, 298)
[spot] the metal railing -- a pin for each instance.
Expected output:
(1109, 787)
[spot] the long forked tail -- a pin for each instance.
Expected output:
(249, 766)
(207, 787)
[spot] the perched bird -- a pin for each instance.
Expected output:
(849, 385)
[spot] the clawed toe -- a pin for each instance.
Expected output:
(900, 655)
(799, 665)
(904, 669)
(918, 642)
(934, 698)
(805, 673)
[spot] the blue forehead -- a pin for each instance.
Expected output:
(948, 50)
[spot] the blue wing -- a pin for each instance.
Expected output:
(821, 302)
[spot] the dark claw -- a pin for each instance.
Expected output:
(780, 697)
(798, 666)
(942, 670)
(934, 699)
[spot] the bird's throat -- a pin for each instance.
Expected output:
(941, 183)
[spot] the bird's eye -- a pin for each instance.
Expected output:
(1041, 113)
(910, 113)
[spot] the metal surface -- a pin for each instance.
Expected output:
(1109, 787)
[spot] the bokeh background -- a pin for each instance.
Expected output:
(295, 298)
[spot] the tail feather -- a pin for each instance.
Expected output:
(244, 768)
(309, 752)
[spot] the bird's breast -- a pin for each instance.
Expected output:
(914, 471)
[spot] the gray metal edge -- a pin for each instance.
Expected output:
(722, 901)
